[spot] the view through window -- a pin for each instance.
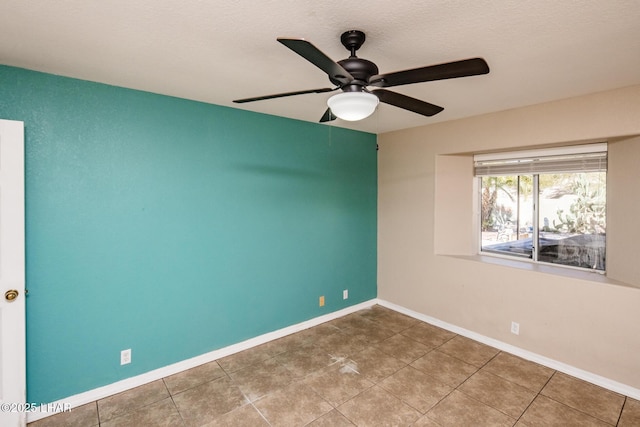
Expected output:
(548, 206)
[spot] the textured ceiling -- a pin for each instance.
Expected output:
(219, 50)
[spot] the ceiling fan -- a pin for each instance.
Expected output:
(354, 76)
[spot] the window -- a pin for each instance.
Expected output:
(545, 205)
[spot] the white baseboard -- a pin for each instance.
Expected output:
(74, 401)
(129, 383)
(525, 354)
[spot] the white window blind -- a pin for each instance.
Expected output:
(576, 158)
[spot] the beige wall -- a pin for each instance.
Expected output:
(623, 211)
(427, 212)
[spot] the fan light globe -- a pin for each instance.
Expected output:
(353, 106)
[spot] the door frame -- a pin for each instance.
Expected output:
(12, 275)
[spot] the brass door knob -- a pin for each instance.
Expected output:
(11, 294)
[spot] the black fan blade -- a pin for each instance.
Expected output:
(319, 59)
(280, 95)
(450, 70)
(327, 116)
(406, 102)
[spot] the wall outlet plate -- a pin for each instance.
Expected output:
(125, 357)
(321, 301)
(345, 294)
(515, 328)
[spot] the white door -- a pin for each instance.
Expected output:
(12, 279)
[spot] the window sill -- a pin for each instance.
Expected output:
(544, 269)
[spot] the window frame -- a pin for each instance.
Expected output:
(521, 160)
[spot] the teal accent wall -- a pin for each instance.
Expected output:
(176, 228)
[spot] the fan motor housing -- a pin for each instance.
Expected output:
(360, 69)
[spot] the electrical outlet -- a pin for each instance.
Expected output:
(125, 356)
(345, 294)
(515, 328)
(321, 301)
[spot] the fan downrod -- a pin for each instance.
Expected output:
(352, 40)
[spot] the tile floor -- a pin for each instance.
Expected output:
(375, 367)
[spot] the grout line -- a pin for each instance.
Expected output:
(98, 413)
(177, 409)
(626, 399)
(576, 409)
(538, 394)
(260, 413)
